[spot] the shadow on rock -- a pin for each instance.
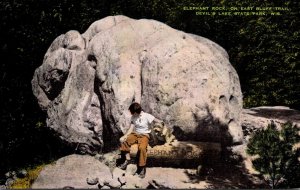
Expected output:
(227, 173)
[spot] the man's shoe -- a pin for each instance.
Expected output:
(142, 174)
(124, 165)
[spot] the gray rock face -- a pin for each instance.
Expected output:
(87, 82)
(85, 172)
(73, 171)
(260, 117)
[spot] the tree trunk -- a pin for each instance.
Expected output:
(181, 153)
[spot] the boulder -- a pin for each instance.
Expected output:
(92, 181)
(11, 174)
(131, 169)
(256, 118)
(9, 182)
(87, 82)
(79, 171)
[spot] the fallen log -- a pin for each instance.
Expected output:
(181, 154)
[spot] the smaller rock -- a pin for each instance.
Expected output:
(92, 181)
(99, 156)
(117, 172)
(122, 180)
(10, 174)
(119, 175)
(105, 187)
(114, 184)
(7, 175)
(2, 187)
(9, 182)
(100, 184)
(13, 173)
(131, 169)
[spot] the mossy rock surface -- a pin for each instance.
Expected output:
(26, 182)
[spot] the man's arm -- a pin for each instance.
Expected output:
(129, 130)
(124, 137)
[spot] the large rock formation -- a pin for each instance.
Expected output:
(87, 82)
(85, 172)
(73, 171)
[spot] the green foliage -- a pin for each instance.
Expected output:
(277, 159)
(269, 59)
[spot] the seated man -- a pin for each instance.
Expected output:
(138, 133)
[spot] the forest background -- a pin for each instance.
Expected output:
(264, 50)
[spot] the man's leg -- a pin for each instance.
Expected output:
(142, 147)
(125, 149)
(143, 141)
